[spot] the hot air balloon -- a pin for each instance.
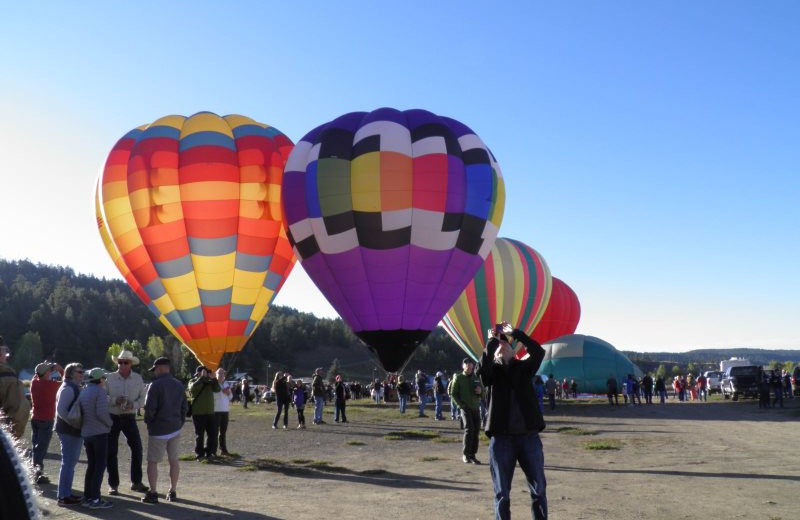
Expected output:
(588, 360)
(391, 213)
(561, 316)
(512, 285)
(188, 208)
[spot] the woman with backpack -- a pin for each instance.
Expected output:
(69, 435)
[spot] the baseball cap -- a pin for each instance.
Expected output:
(96, 374)
(158, 362)
(43, 368)
(467, 360)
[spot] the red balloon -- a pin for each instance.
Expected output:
(561, 316)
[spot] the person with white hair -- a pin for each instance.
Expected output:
(125, 395)
(439, 391)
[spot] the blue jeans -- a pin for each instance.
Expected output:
(41, 433)
(504, 453)
(319, 402)
(403, 401)
(423, 400)
(453, 410)
(96, 457)
(70, 453)
(439, 398)
(125, 424)
(662, 396)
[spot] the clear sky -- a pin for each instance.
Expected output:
(651, 150)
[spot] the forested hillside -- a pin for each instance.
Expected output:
(53, 313)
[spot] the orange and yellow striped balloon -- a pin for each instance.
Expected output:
(189, 210)
(513, 285)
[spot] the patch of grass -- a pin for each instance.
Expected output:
(355, 443)
(603, 445)
(231, 455)
(429, 459)
(446, 440)
(411, 435)
(249, 467)
(302, 461)
(186, 457)
(574, 430)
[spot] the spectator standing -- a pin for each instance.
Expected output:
(43, 413)
(97, 423)
(202, 389)
(439, 391)
(466, 393)
(222, 408)
(550, 387)
(340, 393)
(14, 407)
(165, 410)
(422, 391)
(318, 393)
(574, 387)
(702, 387)
(647, 388)
(403, 393)
(612, 390)
(69, 435)
(299, 398)
(513, 421)
(661, 389)
(282, 399)
(125, 395)
(245, 391)
(538, 385)
(776, 382)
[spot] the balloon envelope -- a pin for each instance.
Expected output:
(588, 360)
(512, 285)
(188, 208)
(562, 314)
(391, 213)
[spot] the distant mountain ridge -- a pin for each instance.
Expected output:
(758, 356)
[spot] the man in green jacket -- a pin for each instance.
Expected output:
(202, 389)
(466, 393)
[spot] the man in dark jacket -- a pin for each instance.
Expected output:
(202, 389)
(165, 410)
(514, 419)
(318, 393)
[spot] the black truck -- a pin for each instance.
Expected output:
(741, 382)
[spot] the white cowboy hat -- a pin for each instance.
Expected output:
(126, 355)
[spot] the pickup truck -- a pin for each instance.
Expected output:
(713, 379)
(741, 381)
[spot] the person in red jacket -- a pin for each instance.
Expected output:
(43, 414)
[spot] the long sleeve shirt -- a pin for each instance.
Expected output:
(132, 387)
(93, 401)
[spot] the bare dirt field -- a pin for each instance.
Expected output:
(674, 461)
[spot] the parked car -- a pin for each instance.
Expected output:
(796, 380)
(741, 381)
(713, 379)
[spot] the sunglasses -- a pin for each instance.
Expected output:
(120, 362)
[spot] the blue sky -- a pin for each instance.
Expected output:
(650, 149)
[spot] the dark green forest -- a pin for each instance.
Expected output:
(53, 313)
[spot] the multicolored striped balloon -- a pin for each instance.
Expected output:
(391, 213)
(189, 210)
(512, 285)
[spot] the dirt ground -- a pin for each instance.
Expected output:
(680, 460)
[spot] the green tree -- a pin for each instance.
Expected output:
(789, 366)
(676, 370)
(692, 368)
(333, 370)
(28, 352)
(661, 372)
(775, 365)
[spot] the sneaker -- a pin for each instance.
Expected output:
(285, 427)
(141, 488)
(150, 498)
(42, 479)
(98, 503)
(466, 459)
(69, 501)
(113, 491)
(474, 460)
(299, 426)
(172, 496)
(225, 453)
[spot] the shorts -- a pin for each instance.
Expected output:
(157, 447)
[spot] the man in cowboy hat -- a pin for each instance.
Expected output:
(125, 395)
